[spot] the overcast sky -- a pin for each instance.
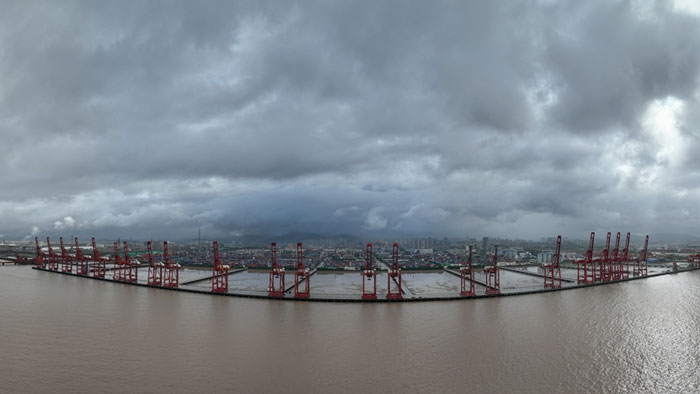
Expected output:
(375, 118)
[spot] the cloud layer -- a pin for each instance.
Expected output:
(393, 118)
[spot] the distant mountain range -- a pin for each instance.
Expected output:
(671, 237)
(263, 239)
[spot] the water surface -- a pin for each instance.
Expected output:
(67, 334)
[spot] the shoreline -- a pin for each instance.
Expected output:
(358, 298)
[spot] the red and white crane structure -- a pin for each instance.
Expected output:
(369, 274)
(155, 269)
(40, 258)
(622, 268)
(552, 271)
(53, 257)
(98, 266)
(466, 273)
(276, 283)
(118, 271)
(394, 276)
(694, 259)
(603, 262)
(640, 265)
(615, 256)
(219, 279)
(21, 260)
(66, 259)
(131, 267)
(171, 271)
(81, 261)
(586, 267)
(301, 274)
(493, 275)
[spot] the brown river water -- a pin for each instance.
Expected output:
(61, 334)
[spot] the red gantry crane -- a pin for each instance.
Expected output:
(369, 274)
(552, 271)
(66, 259)
(394, 275)
(622, 270)
(81, 261)
(40, 259)
(493, 275)
(694, 259)
(276, 285)
(586, 267)
(118, 269)
(171, 271)
(155, 269)
(640, 266)
(301, 274)
(21, 260)
(615, 257)
(98, 267)
(603, 274)
(219, 279)
(53, 257)
(131, 267)
(467, 277)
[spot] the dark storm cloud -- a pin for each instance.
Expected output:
(520, 118)
(607, 64)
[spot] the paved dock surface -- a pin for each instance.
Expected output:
(289, 287)
(456, 273)
(208, 277)
(519, 271)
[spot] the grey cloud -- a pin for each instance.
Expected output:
(609, 62)
(387, 118)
